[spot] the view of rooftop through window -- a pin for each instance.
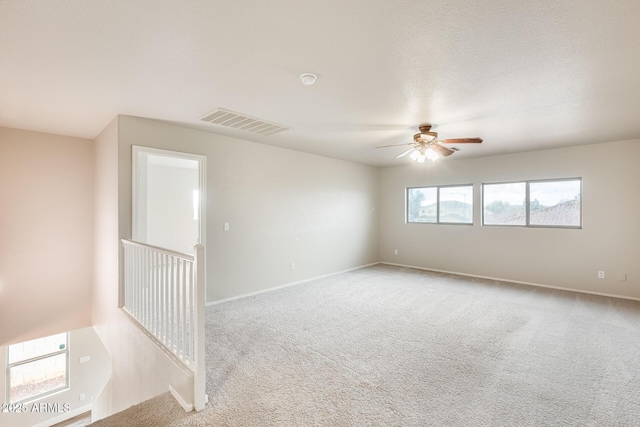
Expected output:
(550, 203)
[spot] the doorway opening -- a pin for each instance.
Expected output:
(169, 198)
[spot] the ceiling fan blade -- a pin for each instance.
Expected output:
(405, 153)
(463, 141)
(396, 145)
(443, 151)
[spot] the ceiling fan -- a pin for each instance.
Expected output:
(426, 145)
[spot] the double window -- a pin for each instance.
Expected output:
(544, 203)
(540, 203)
(37, 368)
(440, 205)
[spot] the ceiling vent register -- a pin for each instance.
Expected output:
(241, 121)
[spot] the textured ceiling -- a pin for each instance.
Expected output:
(521, 74)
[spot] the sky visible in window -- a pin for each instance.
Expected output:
(547, 193)
(512, 193)
(552, 193)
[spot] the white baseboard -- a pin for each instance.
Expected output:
(65, 416)
(426, 269)
(188, 407)
(514, 281)
(250, 294)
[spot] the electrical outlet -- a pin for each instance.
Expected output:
(395, 252)
(226, 226)
(601, 274)
(85, 359)
(81, 397)
(293, 265)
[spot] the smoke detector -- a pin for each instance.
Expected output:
(308, 79)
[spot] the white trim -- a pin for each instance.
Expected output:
(275, 288)
(515, 281)
(64, 417)
(202, 181)
(188, 407)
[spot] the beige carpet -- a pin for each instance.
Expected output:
(390, 346)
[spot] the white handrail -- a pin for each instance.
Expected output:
(158, 249)
(164, 292)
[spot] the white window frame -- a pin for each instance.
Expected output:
(527, 203)
(438, 187)
(31, 360)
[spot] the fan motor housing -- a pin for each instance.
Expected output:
(429, 136)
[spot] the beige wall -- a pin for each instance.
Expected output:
(282, 206)
(46, 234)
(566, 258)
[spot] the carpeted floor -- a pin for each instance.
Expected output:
(391, 346)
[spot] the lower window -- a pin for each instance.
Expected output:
(37, 368)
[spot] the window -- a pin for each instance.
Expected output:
(504, 204)
(443, 205)
(422, 204)
(37, 368)
(548, 203)
(555, 203)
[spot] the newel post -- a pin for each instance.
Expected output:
(199, 395)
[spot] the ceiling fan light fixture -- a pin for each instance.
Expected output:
(426, 145)
(431, 154)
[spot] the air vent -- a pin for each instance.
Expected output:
(241, 121)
